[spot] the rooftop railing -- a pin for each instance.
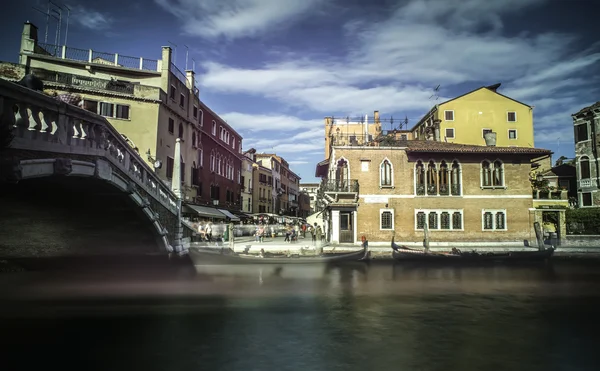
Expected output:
(97, 57)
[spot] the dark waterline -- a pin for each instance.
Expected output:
(378, 317)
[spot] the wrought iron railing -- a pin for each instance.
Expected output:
(345, 185)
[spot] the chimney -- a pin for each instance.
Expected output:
(189, 79)
(29, 40)
(376, 116)
(490, 139)
(165, 66)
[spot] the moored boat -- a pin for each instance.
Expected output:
(403, 253)
(203, 256)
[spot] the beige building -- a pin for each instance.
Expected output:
(347, 132)
(464, 193)
(152, 103)
(311, 190)
(286, 184)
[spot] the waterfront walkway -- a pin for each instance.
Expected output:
(378, 250)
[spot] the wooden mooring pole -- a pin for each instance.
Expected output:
(539, 235)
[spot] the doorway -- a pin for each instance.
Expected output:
(346, 227)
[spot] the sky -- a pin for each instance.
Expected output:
(273, 69)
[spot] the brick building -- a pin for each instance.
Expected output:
(465, 193)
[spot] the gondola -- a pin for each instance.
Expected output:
(207, 255)
(403, 253)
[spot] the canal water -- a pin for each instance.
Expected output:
(376, 317)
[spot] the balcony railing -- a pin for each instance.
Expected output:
(385, 138)
(96, 57)
(347, 185)
(587, 183)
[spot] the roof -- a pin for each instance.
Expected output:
(586, 109)
(564, 170)
(424, 146)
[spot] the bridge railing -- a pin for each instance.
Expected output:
(45, 124)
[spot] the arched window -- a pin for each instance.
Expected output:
(341, 175)
(385, 174)
(180, 130)
(431, 178)
(443, 179)
(212, 161)
(584, 168)
(455, 179)
(498, 179)
(486, 174)
(214, 128)
(219, 169)
(420, 178)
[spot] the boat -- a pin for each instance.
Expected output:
(208, 255)
(403, 253)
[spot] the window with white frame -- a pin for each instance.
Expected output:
(449, 115)
(484, 132)
(112, 110)
(385, 170)
(214, 128)
(493, 220)
(584, 167)
(364, 165)
(439, 220)
(512, 134)
(492, 174)
(450, 133)
(386, 219)
(511, 116)
(200, 157)
(443, 179)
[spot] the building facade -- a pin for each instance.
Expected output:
(152, 103)
(464, 193)
(587, 128)
(285, 184)
(311, 190)
(467, 118)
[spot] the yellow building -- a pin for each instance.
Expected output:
(152, 103)
(467, 118)
(286, 184)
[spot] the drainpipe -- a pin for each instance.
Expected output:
(594, 146)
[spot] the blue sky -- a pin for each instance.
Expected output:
(274, 68)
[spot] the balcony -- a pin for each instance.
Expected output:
(340, 186)
(386, 138)
(586, 183)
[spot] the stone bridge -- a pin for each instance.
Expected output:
(70, 184)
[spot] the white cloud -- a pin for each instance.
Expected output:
(235, 18)
(89, 18)
(273, 123)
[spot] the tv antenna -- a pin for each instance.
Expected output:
(187, 51)
(435, 92)
(404, 123)
(175, 54)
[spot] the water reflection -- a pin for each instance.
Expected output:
(347, 317)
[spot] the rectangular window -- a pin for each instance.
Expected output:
(485, 131)
(91, 105)
(581, 132)
(122, 112)
(449, 115)
(564, 184)
(181, 100)
(386, 219)
(403, 137)
(171, 125)
(170, 164)
(493, 220)
(364, 165)
(586, 199)
(172, 93)
(106, 109)
(450, 133)
(511, 116)
(512, 134)
(439, 220)
(195, 111)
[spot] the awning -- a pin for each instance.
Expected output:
(207, 212)
(241, 214)
(230, 215)
(321, 170)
